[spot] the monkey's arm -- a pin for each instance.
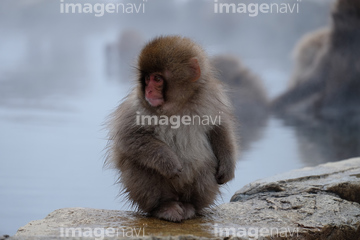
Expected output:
(303, 91)
(143, 148)
(224, 146)
(312, 83)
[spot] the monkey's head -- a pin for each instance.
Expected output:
(170, 71)
(346, 15)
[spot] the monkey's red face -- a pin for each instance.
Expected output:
(154, 85)
(168, 74)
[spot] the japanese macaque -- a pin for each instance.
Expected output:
(331, 88)
(247, 94)
(307, 52)
(169, 171)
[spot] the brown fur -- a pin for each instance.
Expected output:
(247, 94)
(332, 88)
(307, 52)
(173, 173)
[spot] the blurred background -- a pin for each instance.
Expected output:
(62, 74)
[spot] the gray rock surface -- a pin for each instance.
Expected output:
(321, 202)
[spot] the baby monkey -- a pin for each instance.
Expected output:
(173, 172)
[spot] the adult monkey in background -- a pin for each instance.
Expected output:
(306, 54)
(331, 89)
(173, 173)
(248, 95)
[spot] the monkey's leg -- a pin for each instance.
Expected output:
(170, 211)
(189, 210)
(153, 194)
(204, 191)
(199, 194)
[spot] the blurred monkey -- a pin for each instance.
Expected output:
(331, 88)
(307, 52)
(247, 94)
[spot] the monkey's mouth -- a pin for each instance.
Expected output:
(155, 102)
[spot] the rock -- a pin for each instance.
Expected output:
(321, 202)
(110, 224)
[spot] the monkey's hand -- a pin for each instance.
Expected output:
(150, 152)
(223, 144)
(172, 167)
(224, 173)
(166, 162)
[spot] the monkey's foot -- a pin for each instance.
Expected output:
(189, 210)
(170, 211)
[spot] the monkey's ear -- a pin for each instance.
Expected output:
(195, 69)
